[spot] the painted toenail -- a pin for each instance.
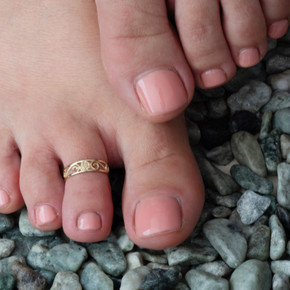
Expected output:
(213, 77)
(161, 92)
(157, 215)
(45, 214)
(4, 198)
(89, 221)
(278, 28)
(249, 57)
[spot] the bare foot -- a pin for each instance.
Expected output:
(57, 108)
(151, 66)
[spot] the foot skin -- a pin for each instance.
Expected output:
(152, 69)
(57, 108)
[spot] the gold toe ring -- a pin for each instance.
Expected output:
(86, 165)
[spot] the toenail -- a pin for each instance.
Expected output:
(213, 77)
(278, 28)
(249, 57)
(4, 198)
(89, 221)
(45, 214)
(157, 215)
(161, 92)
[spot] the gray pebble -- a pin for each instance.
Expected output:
(247, 151)
(280, 282)
(6, 247)
(7, 282)
(228, 200)
(285, 147)
(279, 100)
(259, 243)
(281, 120)
(217, 108)
(221, 155)
(124, 241)
(252, 274)
(27, 229)
(37, 258)
(251, 97)
(109, 257)
(280, 82)
(6, 264)
(217, 268)
(277, 63)
(227, 240)
(66, 281)
(281, 267)
(252, 206)
(6, 223)
(221, 212)
(134, 260)
(161, 259)
(93, 278)
(196, 111)
(181, 286)
(266, 124)
(199, 280)
(283, 197)
(250, 180)
(132, 280)
(288, 248)
(278, 238)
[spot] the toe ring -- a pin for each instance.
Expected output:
(86, 165)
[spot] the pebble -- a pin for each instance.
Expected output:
(283, 197)
(27, 229)
(124, 241)
(66, 281)
(161, 259)
(257, 273)
(7, 282)
(27, 278)
(251, 97)
(251, 206)
(247, 151)
(284, 217)
(277, 63)
(285, 147)
(281, 267)
(266, 124)
(181, 286)
(221, 212)
(196, 111)
(109, 257)
(227, 200)
(6, 264)
(217, 268)
(279, 100)
(217, 108)
(280, 282)
(247, 179)
(280, 81)
(259, 243)
(132, 280)
(6, 223)
(193, 132)
(278, 238)
(281, 120)
(221, 155)
(93, 278)
(6, 247)
(160, 279)
(244, 121)
(134, 260)
(228, 241)
(200, 280)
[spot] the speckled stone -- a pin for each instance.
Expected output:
(247, 179)
(280, 282)
(283, 197)
(217, 268)
(6, 247)
(251, 206)
(252, 274)
(247, 151)
(66, 281)
(251, 97)
(161, 259)
(6, 223)
(124, 241)
(93, 278)
(277, 63)
(284, 217)
(27, 278)
(285, 147)
(160, 279)
(281, 267)
(198, 280)
(221, 212)
(180, 286)
(134, 260)
(133, 279)
(227, 200)
(227, 240)
(221, 155)
(279, 100)
(7, 282)
(266, 124)
(271, 148)
(193, 132)
(217, 108)
(278, 238)
(281, 120)
(6, 264)
(259, 243)
(109, 257)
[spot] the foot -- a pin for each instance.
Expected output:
(57, 108)
(152, 69)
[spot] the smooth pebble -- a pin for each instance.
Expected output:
(66, 281)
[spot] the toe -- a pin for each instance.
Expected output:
(143, 59)
(163, 191)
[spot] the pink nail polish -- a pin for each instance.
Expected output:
(89, 221)
(249, 57)
(161, 92)
(45, 214)
(213, 78)
(278, 28)
(157, 215)
(4, 198)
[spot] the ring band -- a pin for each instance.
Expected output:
(86, 165)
